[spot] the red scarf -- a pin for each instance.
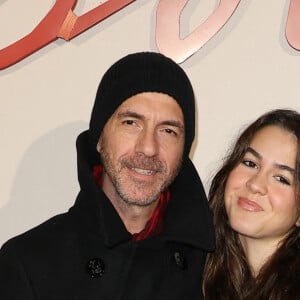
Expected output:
(155, 224)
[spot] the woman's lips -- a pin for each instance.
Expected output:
(249, 205)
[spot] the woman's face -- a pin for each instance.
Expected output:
(260, 193)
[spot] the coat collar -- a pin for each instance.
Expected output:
(187, 217)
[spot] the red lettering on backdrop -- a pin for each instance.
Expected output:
(60, 22)
(292, 30)
(168, 28)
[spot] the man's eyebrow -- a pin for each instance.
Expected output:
(130, 113)
(277, 165)
(133, 114)
(173, 123)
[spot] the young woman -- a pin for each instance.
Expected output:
(255, 200)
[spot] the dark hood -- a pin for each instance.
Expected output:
(187, 218)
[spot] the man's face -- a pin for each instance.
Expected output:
(141, 148)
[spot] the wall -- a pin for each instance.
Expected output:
(46, 99)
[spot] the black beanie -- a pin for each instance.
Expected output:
(137, 73)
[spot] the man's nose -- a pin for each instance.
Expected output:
(147, 143)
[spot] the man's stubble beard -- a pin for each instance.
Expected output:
(138, 160)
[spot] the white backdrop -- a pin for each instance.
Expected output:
(46, 99)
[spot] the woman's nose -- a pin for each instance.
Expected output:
(257, 183)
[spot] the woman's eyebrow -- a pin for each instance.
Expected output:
(285, 168)
(254, 152)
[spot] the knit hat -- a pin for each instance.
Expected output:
(137, 73)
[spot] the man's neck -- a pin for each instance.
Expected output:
(134, 217)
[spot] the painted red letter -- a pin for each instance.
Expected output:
(42, 35)
(59, 22)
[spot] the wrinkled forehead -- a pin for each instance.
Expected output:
(152, 104)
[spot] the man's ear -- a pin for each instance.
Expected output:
(98, 147)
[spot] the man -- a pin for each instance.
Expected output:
(140, 227)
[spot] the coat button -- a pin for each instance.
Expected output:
(179, 260)
(95, 267)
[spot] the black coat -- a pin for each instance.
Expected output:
(87, 253)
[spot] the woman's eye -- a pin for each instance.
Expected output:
(282, 179)
(249, 163)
